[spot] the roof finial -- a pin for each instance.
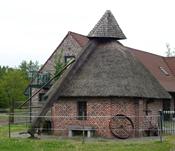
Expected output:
(107, 27)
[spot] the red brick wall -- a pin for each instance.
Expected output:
(99, 107)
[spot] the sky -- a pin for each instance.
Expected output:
(32, 29)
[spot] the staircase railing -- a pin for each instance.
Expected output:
(58, 74)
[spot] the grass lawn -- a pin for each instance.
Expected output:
(3, 116)
(7, 144)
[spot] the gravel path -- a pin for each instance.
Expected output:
(51, 137)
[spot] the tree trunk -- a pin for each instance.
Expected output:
(12, 108)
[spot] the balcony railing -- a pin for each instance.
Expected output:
(41, 79)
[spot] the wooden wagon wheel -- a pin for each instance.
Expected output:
(121, 126)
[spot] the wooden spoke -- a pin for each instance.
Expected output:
(121, 126)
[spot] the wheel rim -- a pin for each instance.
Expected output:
(121, 126)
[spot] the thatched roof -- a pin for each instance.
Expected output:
(107, 27)
(111, 70)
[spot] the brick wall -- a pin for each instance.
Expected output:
(70, 47)
(99, 107)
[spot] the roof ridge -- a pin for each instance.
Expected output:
(79, 38)
(145, 51)
(71, 32)
(53, 52)
(170, 57)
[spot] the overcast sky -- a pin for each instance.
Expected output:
(32, 29)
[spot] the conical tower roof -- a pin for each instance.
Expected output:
(107, 27)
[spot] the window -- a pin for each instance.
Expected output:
(164, 71)
(82, 110)
(41, 96)
(68, 58)
(147, 110)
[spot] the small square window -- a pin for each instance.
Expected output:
(68, 58)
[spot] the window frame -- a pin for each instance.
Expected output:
(67, 57)
(81, 105)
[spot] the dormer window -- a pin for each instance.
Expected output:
(164, 71)
(68, 58)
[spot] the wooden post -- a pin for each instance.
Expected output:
(161, 125)
(141, 117)
(83, 139)
(139, 107)
(30, 105)
(9, 126)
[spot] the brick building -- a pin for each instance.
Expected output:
(107, 79)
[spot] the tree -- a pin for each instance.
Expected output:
(59, 65)
(30, 68)
(169, 52)
(3, 70)
(12, 86)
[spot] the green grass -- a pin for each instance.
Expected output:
(4, 130)
(70, 145)
(3, 116)
(76, 145)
